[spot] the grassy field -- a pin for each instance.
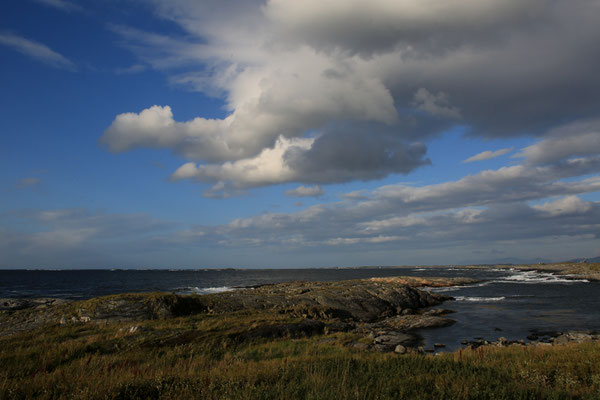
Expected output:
(214, 357)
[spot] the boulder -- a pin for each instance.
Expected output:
(400, 349)
(388, 341)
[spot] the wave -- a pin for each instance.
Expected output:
(479, 299)
(537, 277)
(444, 289)
(206, 290)
(458, 287)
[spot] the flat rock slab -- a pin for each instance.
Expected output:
(9, 304)
(412, 322)
(416, 281)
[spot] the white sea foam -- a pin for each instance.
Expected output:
(206, 290)
(444, 289)
(479, 299)
(537, 277)
(453, 288)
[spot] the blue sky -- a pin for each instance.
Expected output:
(288, 134)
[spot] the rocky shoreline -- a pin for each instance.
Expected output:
(384, 313)
(568, 270)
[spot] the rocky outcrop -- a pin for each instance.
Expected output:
(340, 305)
(570, 270)
(537, 339)
(363, 300)
(388, 341)
(416, 281)
(405, 323)
(21, 304)
(24, 314)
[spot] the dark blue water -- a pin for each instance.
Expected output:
(507, 303)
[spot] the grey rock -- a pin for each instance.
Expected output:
(388, 341)
(400, 349)
(9, 304)
(360, 346)
(412, 322)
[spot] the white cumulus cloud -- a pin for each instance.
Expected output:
(385, 76)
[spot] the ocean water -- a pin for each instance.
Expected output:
(508, 303)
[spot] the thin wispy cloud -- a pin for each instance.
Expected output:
(488, 155)
(37, 51)
(305, 191)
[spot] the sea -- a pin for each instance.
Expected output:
(505, 303)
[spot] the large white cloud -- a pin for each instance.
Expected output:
(395, 72)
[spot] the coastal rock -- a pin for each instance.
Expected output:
(577, 337)
(364, 300)
(340, 304)
(568, 270)
(416, 281)
(400, 349)
(387, 341)
(360, 346)
(411, 322)
(7, 304)
(541, 339)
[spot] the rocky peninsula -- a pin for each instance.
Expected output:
(385, 310)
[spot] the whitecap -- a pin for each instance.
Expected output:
(539, 277)
(205, 290)
(479, 299)
(453, 288)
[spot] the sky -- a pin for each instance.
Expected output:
(284, 133)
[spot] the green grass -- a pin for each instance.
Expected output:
(202, 356)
